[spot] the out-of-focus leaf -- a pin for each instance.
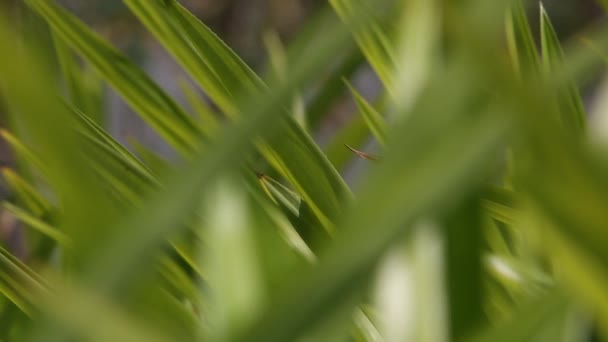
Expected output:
(464, 257)
(116, 261)
(54, 140)
(532, 321)
(19, 283)
(568, 98)
(296, 210)
(91, 317)
(232, 258)
(109, 143)
(374, 120)
(26, 193)
(522, 47)
(209, 120)
(22, 151)
(332, 89)
(148, 100)
(279, 65)
(380, 204)
(374, 40)
(280, 194)
(418, 34)
(36, 224)
(206, 57)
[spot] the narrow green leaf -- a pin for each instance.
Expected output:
(22, 151)
(522, 47)
(38, 225)
(374, 40)
(24, 283)
(146, 98)
(104, 138)
(568, 98)
(374, 120)
(75, 80)
(209, 120)
(280, 193)
(26, 193)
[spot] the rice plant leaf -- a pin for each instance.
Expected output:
(159, 164)
(179, 280)
(374, 120)
(220, 72)
(280, 193)
(19, 283)
(205, 56)
(111, 144)
(568, 97)
(373, 41)
(22, 151)
(30, 197)
(142, 94)
(522, 47)
(37, 224)
(298, 212)
(209, 120)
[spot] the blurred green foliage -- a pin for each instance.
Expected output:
(482, 218)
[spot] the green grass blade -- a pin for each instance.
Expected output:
(30, 197)
(210, 62)
(98, 136)
(19, 283)
(209, 120)
(568, 98)
(374, 120)
(143, 95)
(38, 225)
(22, 151)
(374, 40)
(522, 47)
